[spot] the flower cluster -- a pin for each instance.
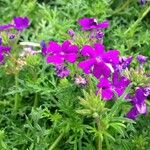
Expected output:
(107, 66)
(95, 28)
(18, 23)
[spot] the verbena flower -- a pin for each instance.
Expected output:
(118, 85)
(139, 105)
(61, 71)
(44, 47)
(3, 50)
(91, 23)
(142, 59)
(124, 62)
(57, 54)
(143, 1)
(19, 23)
(71, 33)
(98, 61)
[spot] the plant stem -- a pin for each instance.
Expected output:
(36, 100)
(122, 7)
(138, 20)
(56, 141)
(16, 103)
(99, 142)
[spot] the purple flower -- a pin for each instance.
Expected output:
(1, 57)
(44, 48)
(142, 59)
(11, 36)
(57, 54)
(139, 105)
(61, 71)
(99, 62)
(3, 50)
(91, 23)
(143, 1)
(99, 34)
(118, 84)
(124, 63)
(71, 33)
(21, 23)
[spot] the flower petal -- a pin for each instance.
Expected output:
(104, 24)
(101, 69)
(133, 113)
(107, 94)
(87, 50)
(70, 57)
(86, 65)
(104, 83)
(65, 45)
(99, 48)
(55, 59)
(111, 56)
(53, 47)
(72, 49)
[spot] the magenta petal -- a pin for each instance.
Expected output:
(87, 23)
(21, 23)
(104, 83)
(103, 24)
(107, 94)
(88, 51)
(86, 65)
(119, 90)
(132, 114)
(6, 26)
(65, 45)
(72, 49)
(71, 57)
(53, 47)
(101, 69)
(55, 59)
(1, 57)
(111, 56)
(99, 48)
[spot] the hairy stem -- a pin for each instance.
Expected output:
(138, 20)
(16, 103)
(122, 7)
(36, 100)
(52, 147)
(99, 141)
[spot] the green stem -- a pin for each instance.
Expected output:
(16, 103)
(36, 100)
(99, 141)
(56, 141)
(122, 7)
(138, 20)
(107, 144)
